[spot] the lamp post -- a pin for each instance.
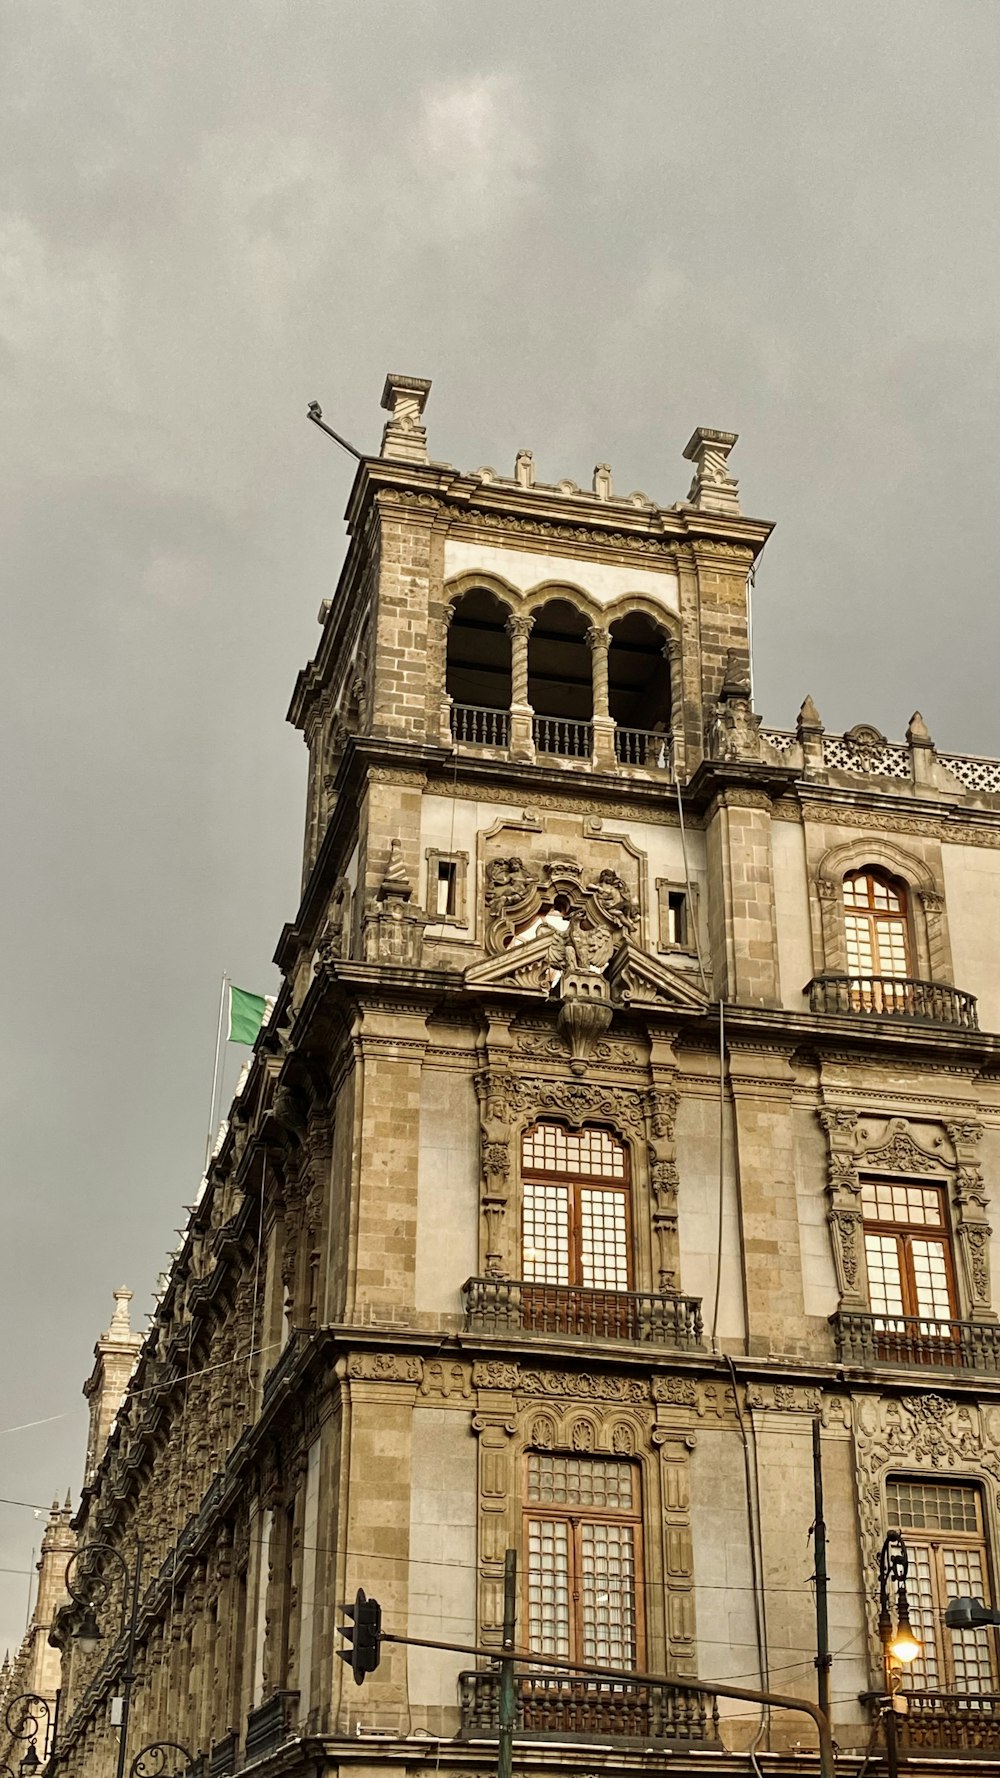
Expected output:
(35, 1717)
(898, 1642)
(89, 1586)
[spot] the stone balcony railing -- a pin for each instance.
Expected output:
(868, 1341)
(504, 1305)
(548, 1704)
(865, 753)
(474, 725)
(270, 1725)
(951, 1722)
(893, 997)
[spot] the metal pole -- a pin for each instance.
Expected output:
(51, 1755)
(508, 1693)
(129, 1661)
(215, 1074)
(824, 1659)
(636, 1676)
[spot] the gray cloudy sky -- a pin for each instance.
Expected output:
(594, 226)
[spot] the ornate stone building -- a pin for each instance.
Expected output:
(630, 1104)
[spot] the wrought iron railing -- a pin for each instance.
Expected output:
(643, 747)
(475, 726)
(949, 1722)
(548, 1704)
(499, 1305)
(557, 734)
(894, 996)
(865, 1339)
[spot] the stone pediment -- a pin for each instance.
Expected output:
(636, 979)
(632, 976)
(524, 969)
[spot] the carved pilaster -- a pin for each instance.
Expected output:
(969, 1205)
(673, 1437)
(494, 1149)
(494, 1426)
(843, 1192)
(661, 1114)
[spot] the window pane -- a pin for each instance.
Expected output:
(580, 1481)
(549, 1587)
(885, 1200)
(964, 1578)
(885, 1284)
(860, 950)
(603, 1256)
(923, 1674)
(932, 1506)
(930, 1276)
(607, 1588)
(890, 939)
(593, 1154)
(546, 1233)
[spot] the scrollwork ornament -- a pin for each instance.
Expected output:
(154, 1760)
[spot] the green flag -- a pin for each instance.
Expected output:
(247, 1013)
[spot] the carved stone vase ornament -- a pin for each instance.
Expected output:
(394, 929)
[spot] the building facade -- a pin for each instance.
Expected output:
(630, 1105)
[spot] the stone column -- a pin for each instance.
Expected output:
(522, 741)
(599, 642)
(444, 730)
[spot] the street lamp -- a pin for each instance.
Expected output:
(35, 1717)
(899, 1644)
(89, 1586)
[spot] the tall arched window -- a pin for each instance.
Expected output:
(876, 931)
(478, 669)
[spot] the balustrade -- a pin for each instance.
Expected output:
(868, 1340)
(901, 997)
(549, 1704)
(501, 1305)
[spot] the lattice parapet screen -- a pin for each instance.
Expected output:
(782, 740)
(975, 774)
(872, 759)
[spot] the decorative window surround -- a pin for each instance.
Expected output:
(874, 1147)
(928, 928)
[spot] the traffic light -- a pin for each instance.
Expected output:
(969, 1614)
(362, 1634)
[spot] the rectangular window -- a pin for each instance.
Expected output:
(676, 907)
(942, 1524)
(575, 1208)
(908, 1252)
(447, 874)
(583, 1546)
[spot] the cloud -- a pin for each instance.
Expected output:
(475, 152)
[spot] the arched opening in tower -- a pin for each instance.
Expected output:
(639, 683)
(560, 680)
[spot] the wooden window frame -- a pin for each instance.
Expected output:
(576, 1517)
(575, 1183)
(879, 917)
(936, 1542)
(904, 1233)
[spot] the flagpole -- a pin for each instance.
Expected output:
(215, 1076)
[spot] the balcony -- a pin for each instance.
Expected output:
(552, 1705)
(870, 1340)
(506, 1305)
(951, 1722)
(474, 726)
(224, 1756)
(270, 1725)
(649, 748)
(893, 997)
(560, 736)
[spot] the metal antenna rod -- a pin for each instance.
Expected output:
(315, 414)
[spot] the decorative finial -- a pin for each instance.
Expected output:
(602, 481)
(524, 469)
(713, 488)
(808, 719)
(918, 734)
(395, 882)
(403, 436)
